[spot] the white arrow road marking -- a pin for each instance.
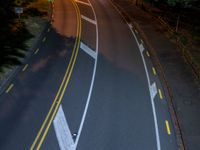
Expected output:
(62, 131)
(141, 47)
(153, 90)
(88, 50)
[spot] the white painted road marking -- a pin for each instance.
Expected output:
(62, 131)
(153, 90)
(91, 85)
(81, 2)
(89, 20)
(148, 79)
(141, 47)
(130, 25)
(88, 50)
(152, 100)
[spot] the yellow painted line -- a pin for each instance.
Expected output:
(25, 67)
(167, 127)
(50, 111)
(9, 88)
(147, 53)
(44, 39)
(57, 106)
(62, 89)
(76, 48)
(160, 94)
(154, 71)
(36, 51)
(54, 103)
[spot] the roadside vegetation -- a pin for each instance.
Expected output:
(182, 20)
(18, 35)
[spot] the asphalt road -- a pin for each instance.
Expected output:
(25, 106)
(89, 85)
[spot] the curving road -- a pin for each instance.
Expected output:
(29, 95)
(89, 85)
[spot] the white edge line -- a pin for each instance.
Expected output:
(92, 84)
(152, 100)
(83, 3)
(88, 19)
(149, 85)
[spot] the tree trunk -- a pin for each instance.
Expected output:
(177, 22)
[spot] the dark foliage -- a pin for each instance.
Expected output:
(13, 35)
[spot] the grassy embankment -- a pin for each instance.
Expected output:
(188, 35)
(17, 36)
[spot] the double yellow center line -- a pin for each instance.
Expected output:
(56, 103)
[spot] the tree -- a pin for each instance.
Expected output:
(13, 36)
(178, 5)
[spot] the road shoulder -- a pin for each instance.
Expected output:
(177, 76)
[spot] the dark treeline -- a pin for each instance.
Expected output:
(177, 4)
(178, 14)
(13, 35)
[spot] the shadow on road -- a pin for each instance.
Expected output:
(23, 109)
(13, 45)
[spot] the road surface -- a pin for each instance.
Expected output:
(89, 85)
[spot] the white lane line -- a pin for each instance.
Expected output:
(81, 2)
(62, 131)
(88, 50)
(153, 90)
(89, 20)
(149, 84)
(92, 84)
(152, 100)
